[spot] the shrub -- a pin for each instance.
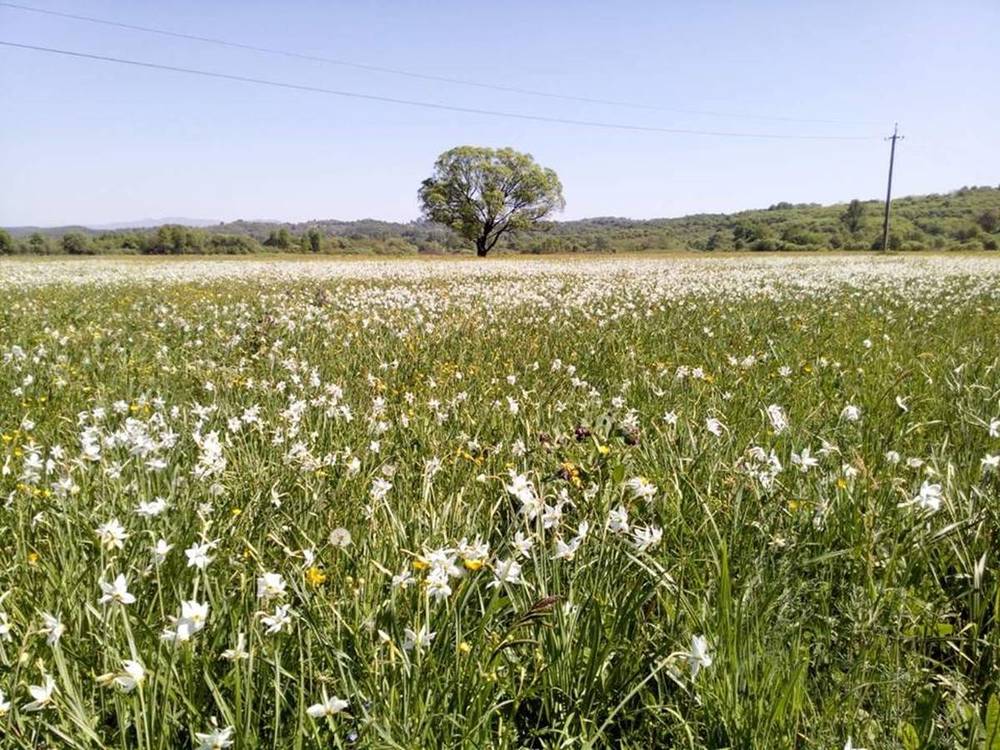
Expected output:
(76, 243)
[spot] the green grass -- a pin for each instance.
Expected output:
(831, 604)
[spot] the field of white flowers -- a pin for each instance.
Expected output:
(636, 503)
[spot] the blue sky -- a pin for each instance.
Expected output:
(91, 142)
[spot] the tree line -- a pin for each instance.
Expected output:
(967, 219)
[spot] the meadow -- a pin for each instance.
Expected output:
(736, 502)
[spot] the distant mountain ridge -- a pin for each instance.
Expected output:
(151, 223)
(22, 231)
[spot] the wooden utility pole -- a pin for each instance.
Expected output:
(888, 192)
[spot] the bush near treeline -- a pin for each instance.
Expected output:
(966, 219)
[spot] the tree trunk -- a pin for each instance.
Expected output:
(481, 248)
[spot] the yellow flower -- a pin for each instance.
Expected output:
(420, 564)
(472, 565)
(315, 576)
(236, 511)
(603, 450)
(32, 558)
(464, 647)
(841, 483)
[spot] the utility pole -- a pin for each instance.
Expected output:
(888, 192)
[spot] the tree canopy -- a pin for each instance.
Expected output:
(485, 193)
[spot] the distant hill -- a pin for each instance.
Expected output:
(94, 228)
(968, 218)
(148, 223)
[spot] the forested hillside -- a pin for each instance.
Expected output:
(967, 219)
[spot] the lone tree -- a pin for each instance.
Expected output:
(853, 216)
(484, 193)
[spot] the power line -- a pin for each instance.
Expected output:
(410, 73)
(431, 105)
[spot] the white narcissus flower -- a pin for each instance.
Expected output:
(116, 591)
(52, 628)
(991, 463)
(197, 554)
(779, 420)
(523, 544)
(238, 652)
(417, 640)
(618, 520)
(330, 706)
(565, 550)
(505, 571)
(403, 579)
(193, 617)
(641, 488)
(379, 489)
(804, 460)
(5, 627)
(994, 428)
(4, 704)
(698, 657)
(151, 508)
(437, 584)
(520, 487)
(714, 426)
(552, 516)
(473, 554)
(646, 537)
(270, 586)
(217, 739)
(929, 497)
(160, 550)
(275, 623)
(112, 535)
(132, 675)
(41, 695)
